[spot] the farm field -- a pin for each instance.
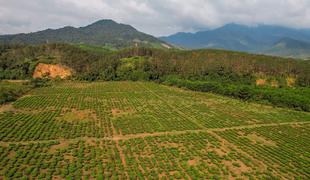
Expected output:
(140, 130)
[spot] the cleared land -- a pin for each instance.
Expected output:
(130, 130)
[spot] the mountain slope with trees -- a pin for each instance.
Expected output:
(103, 32)
(290, 48)
(260, 39)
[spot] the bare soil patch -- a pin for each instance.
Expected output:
(290, 81)
(241, 168)
(52, 71)
(219, 152)
(261, 82)
(12, 154)
(192, 162)
(89, 99)
(260, 140)
(69, 157)
(61, 145)
(57, 177)
(117, 112)
(91, 142)
(6, 108)
(274, 83)
(72, 115)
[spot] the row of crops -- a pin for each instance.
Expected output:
(133, 108)
(68, 160)
(285, 148)
(185, 156)
(70, 130)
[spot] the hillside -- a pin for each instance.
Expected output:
(290, 48)
(18, 62)
(240, 38)
(103, 32)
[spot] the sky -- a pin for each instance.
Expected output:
(156, 17)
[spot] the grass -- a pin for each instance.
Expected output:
(137, 130)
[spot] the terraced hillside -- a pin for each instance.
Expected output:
(137, 130)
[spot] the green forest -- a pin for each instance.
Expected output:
(273, 80)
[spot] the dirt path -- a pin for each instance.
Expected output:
(119, 149)
(142, 135)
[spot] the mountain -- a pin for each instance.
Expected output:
(290, 48)
(103, 32)
(238, 37)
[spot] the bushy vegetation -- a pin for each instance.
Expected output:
(10, 91)
(297, 98)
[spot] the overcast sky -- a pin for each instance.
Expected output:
(156, 17)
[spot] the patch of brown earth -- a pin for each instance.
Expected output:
(43, 170)
(168, 145)
(52, 71)
(57, 178)
(172, 172)
(260, 140)
(274, 83)
(91, 142)
(240, 133)
(241, 168)
(12, 154)
(296, 126)
(290, 81)
(174, 145)
(6, 108)
(192, 162)
(4, 144)
(261, 82)
(117, 112)
(220, 152)
(61, 145)
(69, 157)
(89, 99)
(72, 115)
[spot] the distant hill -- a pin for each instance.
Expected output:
(239, 37)
(103, 32)
(290, 48)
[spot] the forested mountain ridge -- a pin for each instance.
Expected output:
(18, 61)
(260, 39)
(103, 32)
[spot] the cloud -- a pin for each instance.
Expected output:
(157, 17)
